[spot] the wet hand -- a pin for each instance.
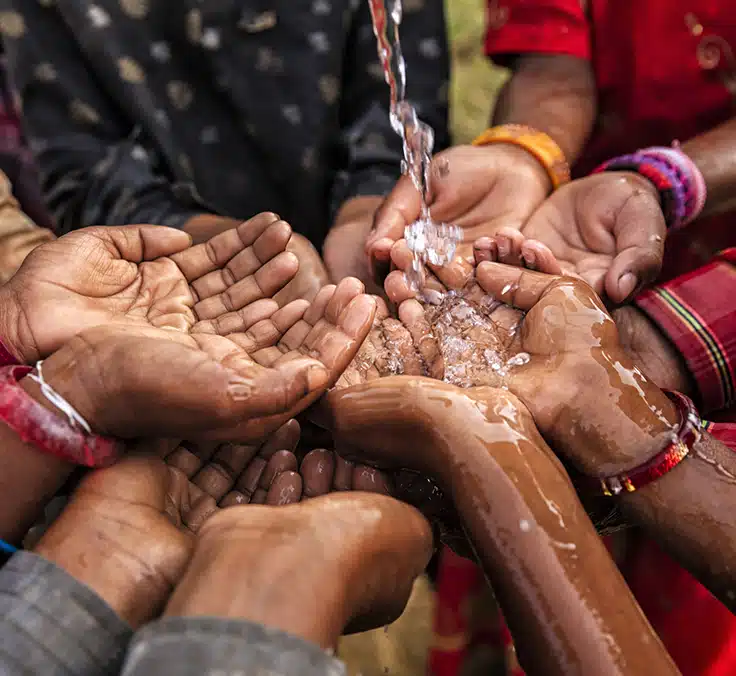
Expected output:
(479, 189)
(585, 393)
(144, 276)
(135, 380)
(607, 229)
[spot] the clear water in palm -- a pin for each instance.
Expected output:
(428, 241)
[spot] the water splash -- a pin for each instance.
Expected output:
(428, 241)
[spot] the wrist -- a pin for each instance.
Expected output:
(100, 551)
(227, 544)
(616, 418)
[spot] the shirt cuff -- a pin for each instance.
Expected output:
(697, 311)
(540, 27)
(184, 646)
(53, 624)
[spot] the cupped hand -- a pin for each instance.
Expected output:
(127, 534)
(136, 380)
(143, 276)
(586, 395)
(607, 229)
(479, 189)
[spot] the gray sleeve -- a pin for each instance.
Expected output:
(94, 169)
(179, 646)
(53, 625)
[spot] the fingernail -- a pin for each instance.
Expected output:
(627, 284)
(504, 247)
(530, 259)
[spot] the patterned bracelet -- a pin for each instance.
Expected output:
(681, 186)
(687, 434)
(541, 146)
(50, 433)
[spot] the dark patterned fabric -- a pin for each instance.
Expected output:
(142, 111)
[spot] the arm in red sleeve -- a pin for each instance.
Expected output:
(697, 311)
(518, 27)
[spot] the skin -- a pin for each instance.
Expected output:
(343, 248)
(144, 536)
(310, 278)
(240, 386)
(567, 606)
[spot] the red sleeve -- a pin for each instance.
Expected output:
(697, 311)
(536, 26)
(723, 432)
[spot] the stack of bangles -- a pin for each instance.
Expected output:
(681, 186)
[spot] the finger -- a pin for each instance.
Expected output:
(398, 289)
(348, 289)
(370, 480)
(250, 478)
(184, 460)
(285, 438)
(537, 256)
(513, 286)
(400, 347)
(264, 283)
(259, 497)
(265, 333)
(317, 471)
(455, 274)
(380, 261)
(412, 315)
(640, 233)
(286, 489)
(402, 207)
(403, 259)
(342, 479)
(281, 461)
(201, 507)
(218, 476)
(272, 241)
(217, 251)
(240, 321)
(138, 243)
(484, 249)
(508, 245)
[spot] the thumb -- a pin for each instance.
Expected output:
(402, 207)
(639, 233)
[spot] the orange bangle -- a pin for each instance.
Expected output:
(536, 143)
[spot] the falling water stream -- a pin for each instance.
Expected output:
(428, 241)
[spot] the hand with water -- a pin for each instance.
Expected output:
(478, 189)
(586, 395)
(607, 229)
(136, 380)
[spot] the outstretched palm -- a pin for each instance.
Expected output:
(148, 276)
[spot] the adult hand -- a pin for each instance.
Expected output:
(127, 533)
(585, 393)
(652, 351)
(479, 189)
(607, 229)
(137, 380)
(310, 278)
(143, 276)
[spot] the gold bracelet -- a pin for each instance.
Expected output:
(538, 144)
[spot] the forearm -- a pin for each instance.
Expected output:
(29, 479)
(566, 603)
(714, 153)
(553, 93)
(689, 511)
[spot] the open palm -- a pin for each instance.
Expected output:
(147, 276)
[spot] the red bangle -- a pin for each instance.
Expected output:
(687, 434)
(50, 433)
